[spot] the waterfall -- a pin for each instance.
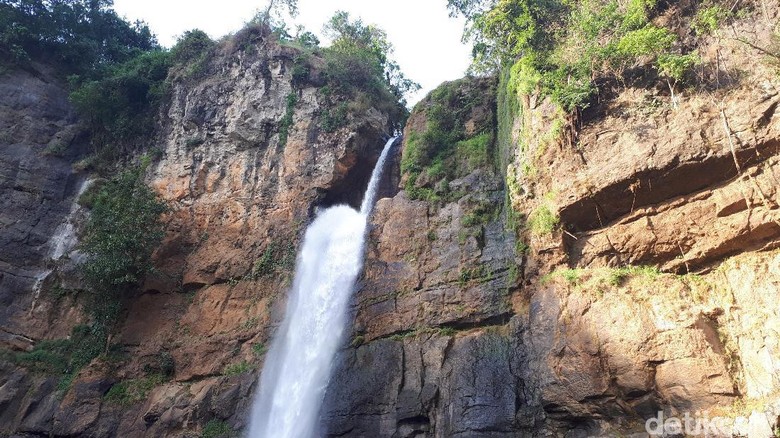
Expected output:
(300, 360)
(64, 238)
(61, 242)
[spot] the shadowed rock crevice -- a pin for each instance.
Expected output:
(349, 188)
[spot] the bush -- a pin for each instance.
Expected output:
(358, 67)
(676, 66)
(558, 48)
(132, 391)
(123, 229)
(237, 368)
(217, 429)
(708, 20)
(121, 105)
(444, 150)
(192, 45)
(542, 221)
(64, 357)
(287, 121)
(277, 258)
(649, 40)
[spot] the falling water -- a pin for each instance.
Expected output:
(298, 365)
(64, 238)
(60, 243)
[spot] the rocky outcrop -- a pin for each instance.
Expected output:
(545, 276)
(40, 139)
(241, 185)
(652, 287)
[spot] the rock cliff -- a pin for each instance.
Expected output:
(240, 195)
(528, 273)
(643, 277)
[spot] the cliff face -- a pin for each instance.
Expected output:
(646, 270)
(527, 274)
(240, 195)
(39, 137)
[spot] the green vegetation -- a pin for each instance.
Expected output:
(572, 276)
(709, 19)
(217, 429)
(162, 365)
(479, 273)
(63, 357)
(277, 258)
(116, 70)
(357, 341)
(78, 36)
(287, 120)
(561, 48)
(119, 76)
(237, 368)
(120, 102)
(132, 391)
(641, 283)
(444, 150)
(359, 67)
(259, 349)
(483, 213)
(542, 221)
(123, 229)
(119, 105)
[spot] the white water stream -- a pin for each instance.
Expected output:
(61, 242)
(300, 360)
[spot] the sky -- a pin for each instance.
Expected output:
(426, 39)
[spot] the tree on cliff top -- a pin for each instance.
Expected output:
(359, 60)
(76, 35)
(561, 48)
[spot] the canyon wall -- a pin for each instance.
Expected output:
(239, 193)
(540, 275)
(643, 276)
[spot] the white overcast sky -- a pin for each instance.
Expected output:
(427, 41)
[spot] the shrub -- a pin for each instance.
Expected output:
(572, 276)
(123, 229)
(649, 40)
(277, 258)
(542, 221)
(287, 121)
(217, 429)
(237, 368)
(191, 46)
(120, 106)
(359, 66)
(558, 48)
(709, 19)
(132, 391)
(259, 349)
(676, 66)
(78, 35)
(444, 151)
(64, 357)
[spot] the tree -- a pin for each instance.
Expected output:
(123, 230)
(360, 57)
(78, 35)
(271, 16)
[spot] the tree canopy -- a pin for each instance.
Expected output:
(361, 55)
(78, 35)
(561, 47)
